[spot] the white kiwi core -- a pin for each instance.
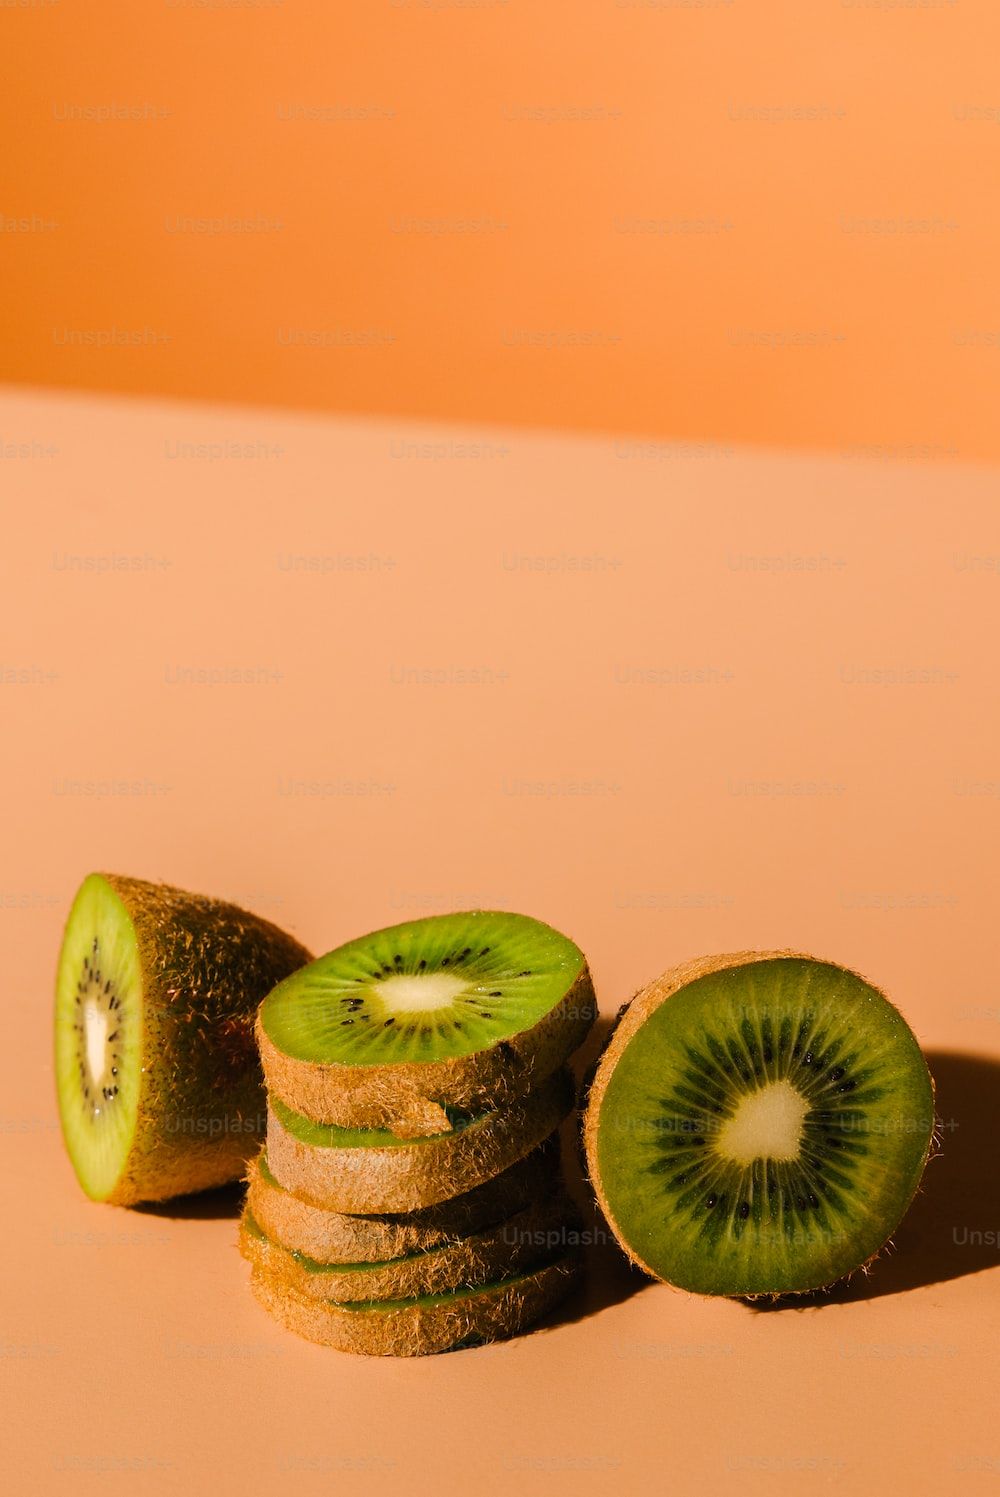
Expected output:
(419, 992)
(95, 1022)
(766, 1125)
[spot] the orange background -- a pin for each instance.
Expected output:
(772, 221)
(674, 702)
(349, 667)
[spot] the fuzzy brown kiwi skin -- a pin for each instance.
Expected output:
(631, 1018)
(409, 1099)
(205, 966)
(334, 1237)
(408, 1176)
(483, 1315)
(502, 1250)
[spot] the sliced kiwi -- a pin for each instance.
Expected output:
(481, 1258)
(157, 1075)
(372, 1170)
(758, 1124)
(334, 1237)
(393, 1029)
(426, 1323)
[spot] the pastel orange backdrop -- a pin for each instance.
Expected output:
(770, 221)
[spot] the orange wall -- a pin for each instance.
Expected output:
(767, 220)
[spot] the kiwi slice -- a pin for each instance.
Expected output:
(482, 1258)
(333, 1237)
(758, 1124)
(372, 1170)
(157, 1075)
(425, 1323)
(393, 1029)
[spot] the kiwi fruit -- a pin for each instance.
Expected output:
(499, 1251)
(424, 1324)
(758, 1124)
(372, 1170)
(157, 1075)
(333, 1237)
(398, 1027)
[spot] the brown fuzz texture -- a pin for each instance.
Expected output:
(503, 1250)
(334, 1237)
(413, 1328)
(410, 1175)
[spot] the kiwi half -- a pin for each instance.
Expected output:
(157, 1076)
(334, 1237)
(758, 1124)
(393, 1029)
(372, 1170)
(426, 1323)
(482, 1258)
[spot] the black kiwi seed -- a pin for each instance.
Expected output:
(744, 1209)
(387, 1023)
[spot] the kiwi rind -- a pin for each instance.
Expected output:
(335, 1237)
(204, 965)
(409, 1098)
(421, 1172)
(500, 1251)
(630, 1020)
(428, 1324)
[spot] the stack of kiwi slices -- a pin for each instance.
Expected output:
(409, 1198)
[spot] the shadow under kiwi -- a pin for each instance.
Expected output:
(609, 1277)
(951, 1229)
(204, 1205)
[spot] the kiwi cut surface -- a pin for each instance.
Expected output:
(334, 1237)
(393, 1029)
(758, 1124)
(481, 1258)
(424, 1324)
(157, 1076)
(372, 1170)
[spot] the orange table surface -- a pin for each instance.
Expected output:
(672, 699)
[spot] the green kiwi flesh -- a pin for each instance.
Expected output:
(758, 1124)
(336, 1237)
(398, 1027)
(157, 1077)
